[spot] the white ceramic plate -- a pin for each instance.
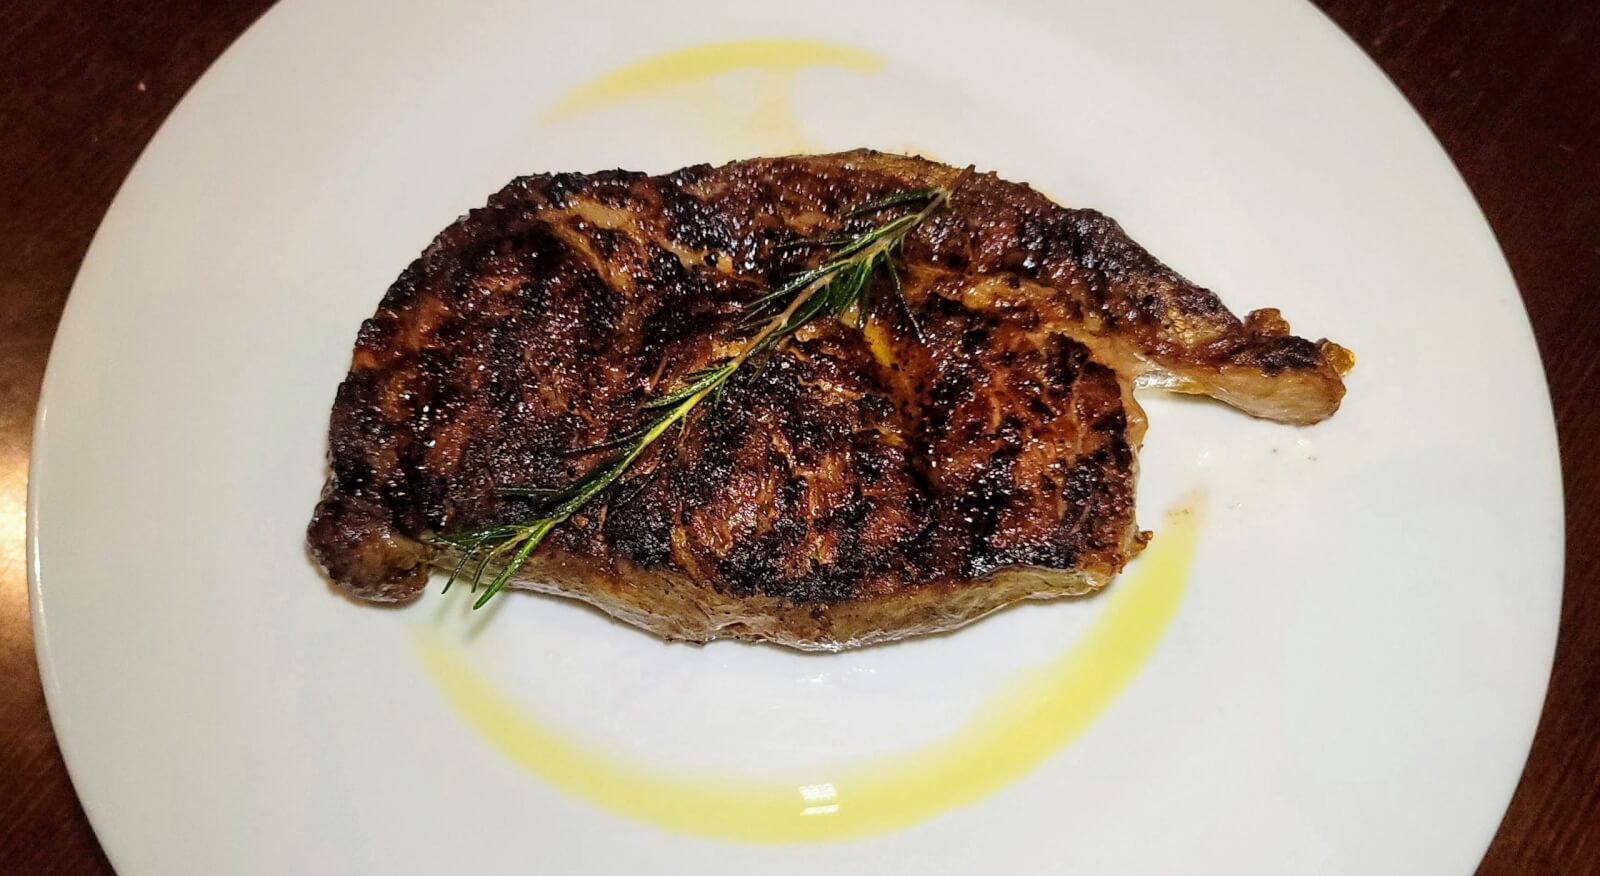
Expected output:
(1346, 681)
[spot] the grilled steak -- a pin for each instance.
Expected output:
(857, 484)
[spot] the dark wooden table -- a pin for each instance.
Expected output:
(1513, 90)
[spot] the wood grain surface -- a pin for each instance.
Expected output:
(1512, 90)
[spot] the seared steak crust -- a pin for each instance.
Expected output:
(857, 484)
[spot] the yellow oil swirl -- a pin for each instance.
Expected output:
(662, 73)
(698, 82)
(1023, 723)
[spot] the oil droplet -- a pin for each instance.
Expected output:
(1021, 725)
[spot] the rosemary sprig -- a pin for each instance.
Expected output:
(841, 287)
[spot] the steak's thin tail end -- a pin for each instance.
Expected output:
(1269, 373)
(1279, 376)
